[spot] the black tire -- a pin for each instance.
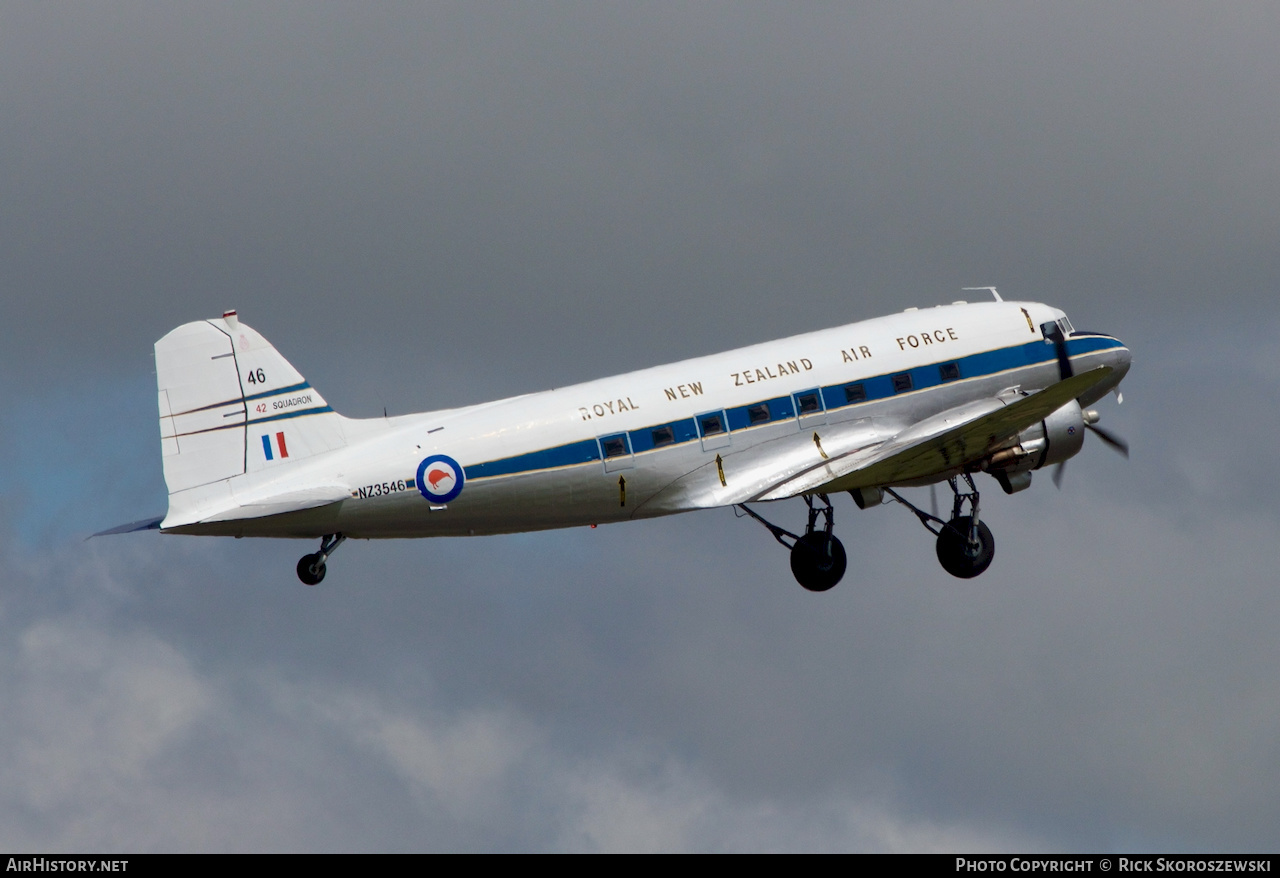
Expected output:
(956, 555)
(818, 561)
(311, 569)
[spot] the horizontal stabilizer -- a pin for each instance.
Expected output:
(131, 527)
(277, 504)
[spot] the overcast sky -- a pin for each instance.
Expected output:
(425, 205)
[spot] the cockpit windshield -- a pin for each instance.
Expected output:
(1056, 329)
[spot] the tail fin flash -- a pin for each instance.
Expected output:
(230, 405)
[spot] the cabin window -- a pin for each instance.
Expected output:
(808, 403)
(949, 371)
(855, 393)
(758, 414)
(712, 424)
(615, 446)
(902, 382)
(663, 436)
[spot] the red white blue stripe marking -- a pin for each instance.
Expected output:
(266, 446)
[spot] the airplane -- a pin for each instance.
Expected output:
(922, 397)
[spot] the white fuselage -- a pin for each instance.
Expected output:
(628, 446)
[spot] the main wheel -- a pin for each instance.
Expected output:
(311, 569)
(957, 555)
(818, 561)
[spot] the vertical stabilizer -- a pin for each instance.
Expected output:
(231, 405)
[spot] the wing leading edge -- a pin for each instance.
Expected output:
(944, 442)
(869, 453)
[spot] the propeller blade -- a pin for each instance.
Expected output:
(1057, 474)
(1053, 332)
(1064, 362)
(1111, 439)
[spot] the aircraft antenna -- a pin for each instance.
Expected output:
(992, 289)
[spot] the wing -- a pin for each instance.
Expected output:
(870, 453)
(942, 443)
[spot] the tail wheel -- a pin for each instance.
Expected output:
(818, 561)
(311, 569)
(959, 556)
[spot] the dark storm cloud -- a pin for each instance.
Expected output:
(430, 205)
(542, 166)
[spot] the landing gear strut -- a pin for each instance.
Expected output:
(965, 545)
(818, 560)
(311, 568)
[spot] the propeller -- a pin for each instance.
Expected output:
(1057, 474)
(1053, 332)
(1111, 440)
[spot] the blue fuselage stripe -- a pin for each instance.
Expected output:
(547, 458)
(834, 396)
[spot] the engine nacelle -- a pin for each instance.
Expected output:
(1053, 440)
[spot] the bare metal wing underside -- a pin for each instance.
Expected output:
(941, 443)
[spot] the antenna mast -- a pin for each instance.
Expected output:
(992, 289)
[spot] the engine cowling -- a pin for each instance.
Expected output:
(1058, 437)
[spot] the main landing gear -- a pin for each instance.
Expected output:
(965, 545)
(818, 560)
(311, 568)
